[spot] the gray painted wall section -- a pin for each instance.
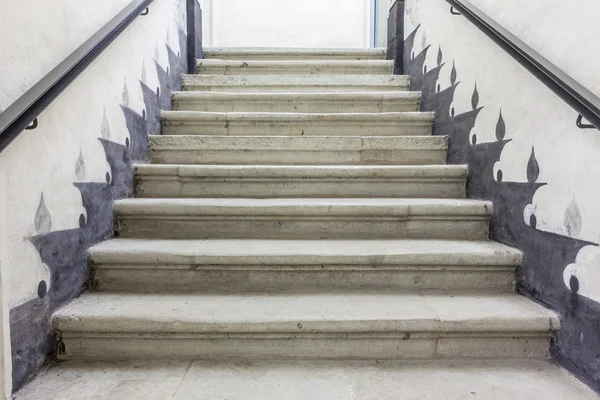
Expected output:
(64, 252)
(546, 254)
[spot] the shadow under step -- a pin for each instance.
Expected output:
(337, 325)
(223, 266)
(303, 218)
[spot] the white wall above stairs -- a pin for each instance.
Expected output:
(286, 23)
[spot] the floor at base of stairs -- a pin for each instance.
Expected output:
(331, 380)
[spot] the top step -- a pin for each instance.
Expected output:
(295, 67)
(281, 53)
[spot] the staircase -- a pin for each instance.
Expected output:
(297, 206)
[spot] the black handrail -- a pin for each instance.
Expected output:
(26, 108)
(567, 88)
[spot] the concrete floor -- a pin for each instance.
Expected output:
(331, 380)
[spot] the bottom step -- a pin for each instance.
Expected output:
(340, 380)
(308, 325)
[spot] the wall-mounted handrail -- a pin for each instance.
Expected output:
(572, 92)
(26, 108)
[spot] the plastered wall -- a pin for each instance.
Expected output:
(58, 182)
(523, 148)
(566, 32)
(287, 23)
(36, 35)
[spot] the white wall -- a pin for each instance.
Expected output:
(65, 148)
(36, 35)
(534, 116)
(565, 32)
(286, 23)
(552, 217)
(44, 160)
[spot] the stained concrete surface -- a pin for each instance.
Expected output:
(203, 380)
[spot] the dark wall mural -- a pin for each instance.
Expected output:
(546, 254)
(65, 252)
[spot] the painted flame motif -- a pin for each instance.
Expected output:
(572, 219)
(80, 167)
(500, 127)
(533, 168)
(475, 98)
(105, 128)
(125, 95)
(453, 73)
(43, 221)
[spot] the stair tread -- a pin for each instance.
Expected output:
(216, 63)
(310, 124)
(319, 147)
(306, 206)
(284, 102)
(297, 142)
(295, 66)
(287, 116)
(304, 171)
(296, 50)
(305, 312)
(320, 80)
(265, 251)
(300, 96)
(279, 380)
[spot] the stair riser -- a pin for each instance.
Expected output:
(293, 54)
(299, 157)
(298, 227)
(295, 84)
(341, 347)
(260, 128)
(294, 88)
(156, 187)
(261, 278)
(296, 70)
(289, 57)
(303, 106)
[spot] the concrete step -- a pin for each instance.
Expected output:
(283, 53)
(362, 102)
(298, 150)
(434, 181)
(495, 379)
(303, 218)
(296, 83)
(307, 325)
(295, 67)
(300, 124)
(232, 265)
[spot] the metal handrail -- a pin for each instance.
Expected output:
(586, 103)
(24, 111)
